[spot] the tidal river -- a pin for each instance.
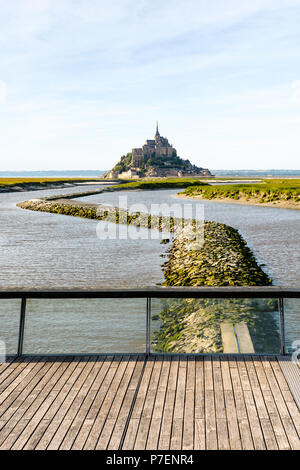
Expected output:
(47, 251)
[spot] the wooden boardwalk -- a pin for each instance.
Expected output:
(163, 403)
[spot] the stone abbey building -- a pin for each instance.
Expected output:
(156, 158)
(158, 147)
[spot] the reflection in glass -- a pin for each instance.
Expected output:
(83, 326)
(215, 326)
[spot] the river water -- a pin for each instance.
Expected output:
(42, 250)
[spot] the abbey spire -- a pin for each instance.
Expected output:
(157, 134)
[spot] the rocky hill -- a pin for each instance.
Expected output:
(155, 167)
(156, 158)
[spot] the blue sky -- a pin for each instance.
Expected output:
(84, 81)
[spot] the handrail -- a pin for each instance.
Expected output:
(159, 292)
(280, 293)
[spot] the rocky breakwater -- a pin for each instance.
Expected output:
(193, 325)
(103, 212)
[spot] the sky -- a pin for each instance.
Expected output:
(84, 81)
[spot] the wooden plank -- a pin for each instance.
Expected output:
(189, 407)
(185, 403)
(139, 403)
(228, 338)
(243, 374)
(166, 425)
(227, 384)
(218, 389)
(114, 412)
(142, 434)
(156, 420)
(244, 338)
(256, 390)
(47, 408)
(200, 443)
(290, 376)
(29, 385)
(131, 434)
(287, 411)
(15, 378)
(260, 373)
(232, 421)
(208, 373)
(177, 425)
(275, 389)
(84, 400)
(10, 403)
(246, 437)
(35, 402)
(176, 434)
(180, 393)
(64, 416)
(278, 428)
(238, 424)
(8, 365)
(9, 374)
(99, 388)
(209, 406)
(210, 421)
(222, 432)
(101, 417)
(256, 431)
(118, 430)
(144, 426)
(238, 394)
(14, 414)
(81, 437)
(269, 436)
(260, 386)
(199, 389)
(292, 435)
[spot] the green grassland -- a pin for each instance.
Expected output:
(264, 192)
(164, 183)
(10, 183)
(15, 181)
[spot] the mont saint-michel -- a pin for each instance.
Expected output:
(156, 158)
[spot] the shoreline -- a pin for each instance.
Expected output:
(244, 201)
(38, 186)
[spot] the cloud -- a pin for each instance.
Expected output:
(94, 74)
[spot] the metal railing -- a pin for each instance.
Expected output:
(155, 292)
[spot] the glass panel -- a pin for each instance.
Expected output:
(9, 324)
(76, 326)
(292, 324)
(215, 326)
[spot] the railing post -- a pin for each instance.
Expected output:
(282, 326)
(21, 326)
(148, 334)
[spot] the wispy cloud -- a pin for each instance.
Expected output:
(84, 80)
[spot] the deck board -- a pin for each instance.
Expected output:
(164, 402)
